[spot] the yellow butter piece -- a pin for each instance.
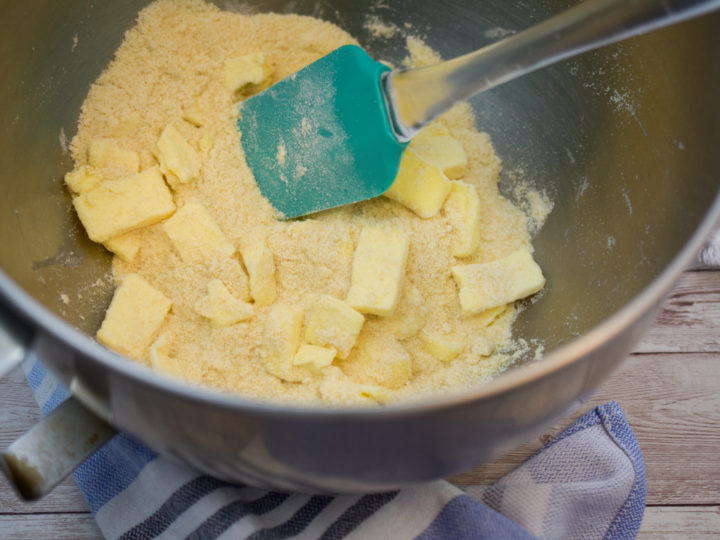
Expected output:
(281, 339)
(261, 269)
(488, 316)
(444, 348)
(135, 314)
(194, 115)
(385, 362)
(104, 154)
(336, 387)
(221, 307)
(464, 203)
(128, 126)
(481, 346)
(205, 144)
(196, 236)
(115, 207)
(378, 270)
(179, 161)
(314, 355)
(333, 323)
(410, 315)
(248, 69)
(125, 246)
(435, 145)
(488, 285)
(233, 276)
(420, 186)
(82, 179)
(161, 358)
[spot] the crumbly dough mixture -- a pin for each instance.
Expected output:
(169, 71)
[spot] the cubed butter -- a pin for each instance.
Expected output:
(281, 339)
(136, 313)
(205, 143)
(125, 246)
(161, 358)
(378, 270)
(336, 387)
(435, 145)
(82, 179)
(488, 285)
(221, 307)
(314, 355)
(464, 205)
(117, 206)
(194, 115)
(179, 161)
(442, 347)
(333, 323)
(104, 154)
(420, 186)
(244, 70)
(261, 270)
(384, 362)
(487, 317)
(410, 314)
(196, 236)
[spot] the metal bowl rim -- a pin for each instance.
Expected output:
(505, 382)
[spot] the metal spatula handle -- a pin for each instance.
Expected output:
(417, 96)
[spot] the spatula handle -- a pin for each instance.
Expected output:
(417, 96)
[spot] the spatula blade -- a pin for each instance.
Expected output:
(321, 138)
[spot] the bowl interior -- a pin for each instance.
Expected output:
(621, 140)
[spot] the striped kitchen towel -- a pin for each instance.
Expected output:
(589, 482)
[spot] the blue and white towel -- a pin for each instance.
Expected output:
(588, 483)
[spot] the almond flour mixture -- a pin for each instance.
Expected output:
(215, 290)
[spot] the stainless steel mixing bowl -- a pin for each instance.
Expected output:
(624, 141)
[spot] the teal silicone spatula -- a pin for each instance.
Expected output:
(333, 133)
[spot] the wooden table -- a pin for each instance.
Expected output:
(669, 388)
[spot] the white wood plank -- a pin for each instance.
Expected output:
(49, 527)
(680, 523)
(690, 318)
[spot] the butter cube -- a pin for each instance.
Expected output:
(104, 154)
(378, 270)
(463, 205)
(135, 314)
(221, 307)
(487, 317)
(244, 70)
(281, 339)
(179, 161)
(420, 186)
(128, 126)
(196, 236)
(117, 206)
(336, 387)
(194, 115)
(410, 314)
(161, 359)
(205, 143)
(314, 355)
(125, 246)
(385, 362)
(333, 323)
(435, 145)
(261, 269)
(444, 348)
(488, 285)
(83, 179)
(481, 346)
